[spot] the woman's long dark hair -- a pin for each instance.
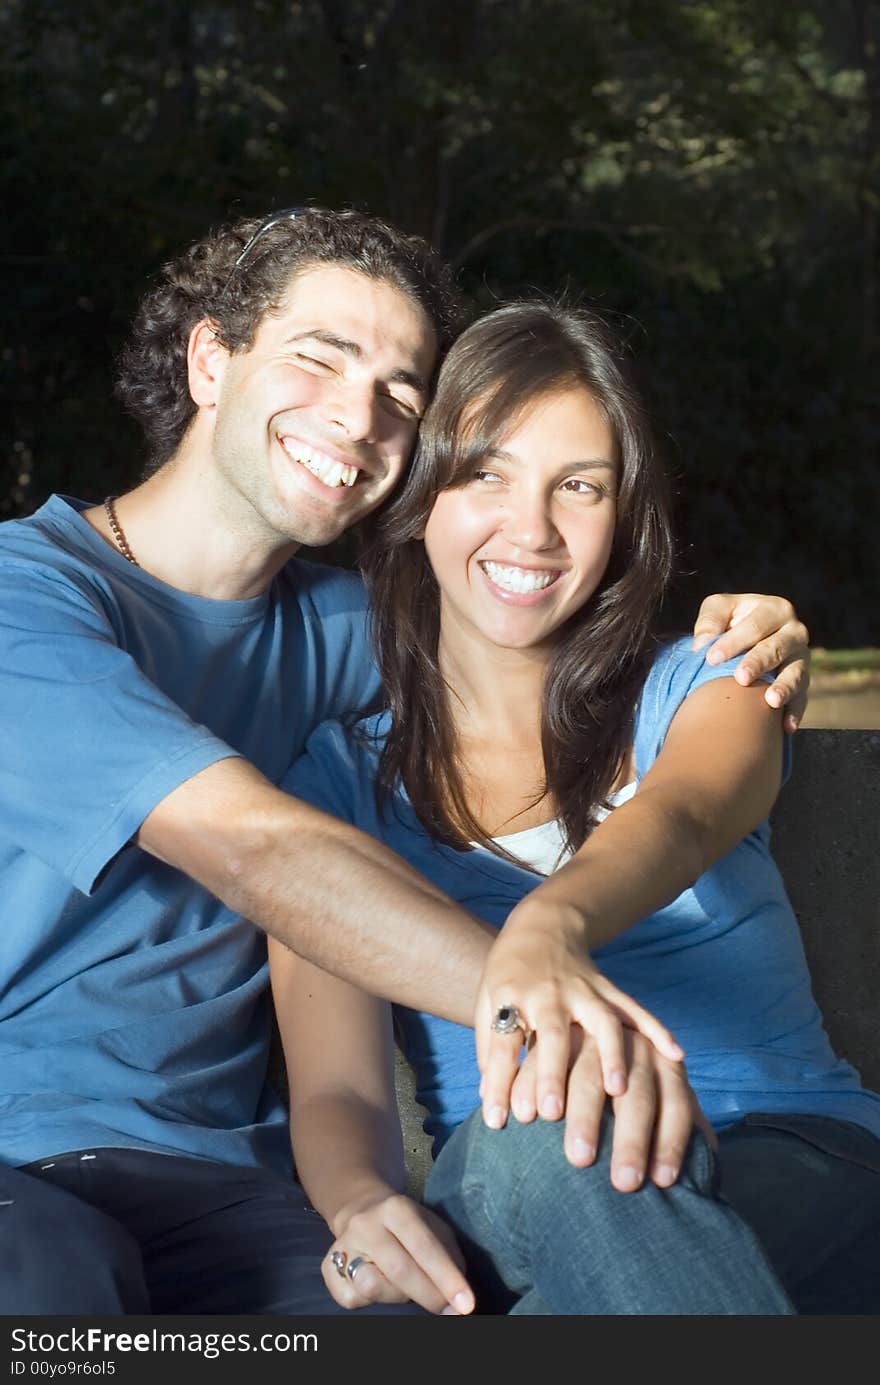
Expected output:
(499, 368)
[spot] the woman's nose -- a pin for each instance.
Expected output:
(528, 522)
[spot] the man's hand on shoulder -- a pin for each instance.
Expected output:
(768, 631)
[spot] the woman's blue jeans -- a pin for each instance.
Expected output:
(543, 1237)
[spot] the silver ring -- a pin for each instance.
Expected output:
(354, 1265)
(337, 1260)
(507, 1020)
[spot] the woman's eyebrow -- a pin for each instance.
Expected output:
(400, 376)
(587, 464)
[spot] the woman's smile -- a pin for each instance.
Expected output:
(523, 542)
(513, 582)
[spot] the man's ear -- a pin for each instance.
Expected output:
(206, 359)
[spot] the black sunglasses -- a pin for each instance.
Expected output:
(275, 219)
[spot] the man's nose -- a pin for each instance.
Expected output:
(352, 410)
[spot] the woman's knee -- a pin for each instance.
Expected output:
(526, 1163)
(522, 1162)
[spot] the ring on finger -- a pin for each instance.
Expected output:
(507, 1020)
(354, 1265)
(337, 1260)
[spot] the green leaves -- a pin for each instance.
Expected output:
(706, 169)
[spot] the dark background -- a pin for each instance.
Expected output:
(707, 172)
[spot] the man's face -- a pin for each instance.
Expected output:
(315, 423)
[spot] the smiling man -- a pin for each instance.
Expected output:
(340, 408)
(163, 658)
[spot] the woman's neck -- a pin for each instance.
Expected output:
(494, 704)
(495, 693)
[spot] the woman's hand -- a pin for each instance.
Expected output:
(407, 1253)
(768, 630)
(653, 1120)
(540, 965)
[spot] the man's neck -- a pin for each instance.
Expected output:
(177, 530)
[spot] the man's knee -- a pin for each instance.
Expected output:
(63, 1256)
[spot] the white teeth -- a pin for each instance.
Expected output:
(518, 579)
(332, 473)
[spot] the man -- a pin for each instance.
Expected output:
(164, 658)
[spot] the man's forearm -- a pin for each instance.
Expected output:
(326, 890)
(350, 906)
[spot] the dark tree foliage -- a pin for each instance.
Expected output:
(706, 171)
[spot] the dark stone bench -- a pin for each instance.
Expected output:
(826, 840)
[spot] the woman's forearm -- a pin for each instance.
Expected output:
(642, 857)
(348, 1154)
(714, 781)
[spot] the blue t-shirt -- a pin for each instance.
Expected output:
(133, 1004)
(722, 965)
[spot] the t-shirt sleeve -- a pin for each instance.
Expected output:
(88, 744)
(676, 673)
(329, 775)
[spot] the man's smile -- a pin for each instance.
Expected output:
(332, 471)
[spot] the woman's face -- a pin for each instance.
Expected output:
(524, 543)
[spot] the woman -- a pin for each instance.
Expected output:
(514, 585)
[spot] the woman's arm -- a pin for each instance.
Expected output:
(347, 1146)
(714, 780)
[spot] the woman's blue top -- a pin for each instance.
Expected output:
(722, 966)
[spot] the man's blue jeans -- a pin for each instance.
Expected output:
(542, 1237)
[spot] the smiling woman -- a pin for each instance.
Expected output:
(537, 470)
(522, 544)
(599, 798)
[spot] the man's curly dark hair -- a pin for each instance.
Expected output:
(203, 282)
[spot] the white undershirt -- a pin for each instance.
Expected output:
(543, 847)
